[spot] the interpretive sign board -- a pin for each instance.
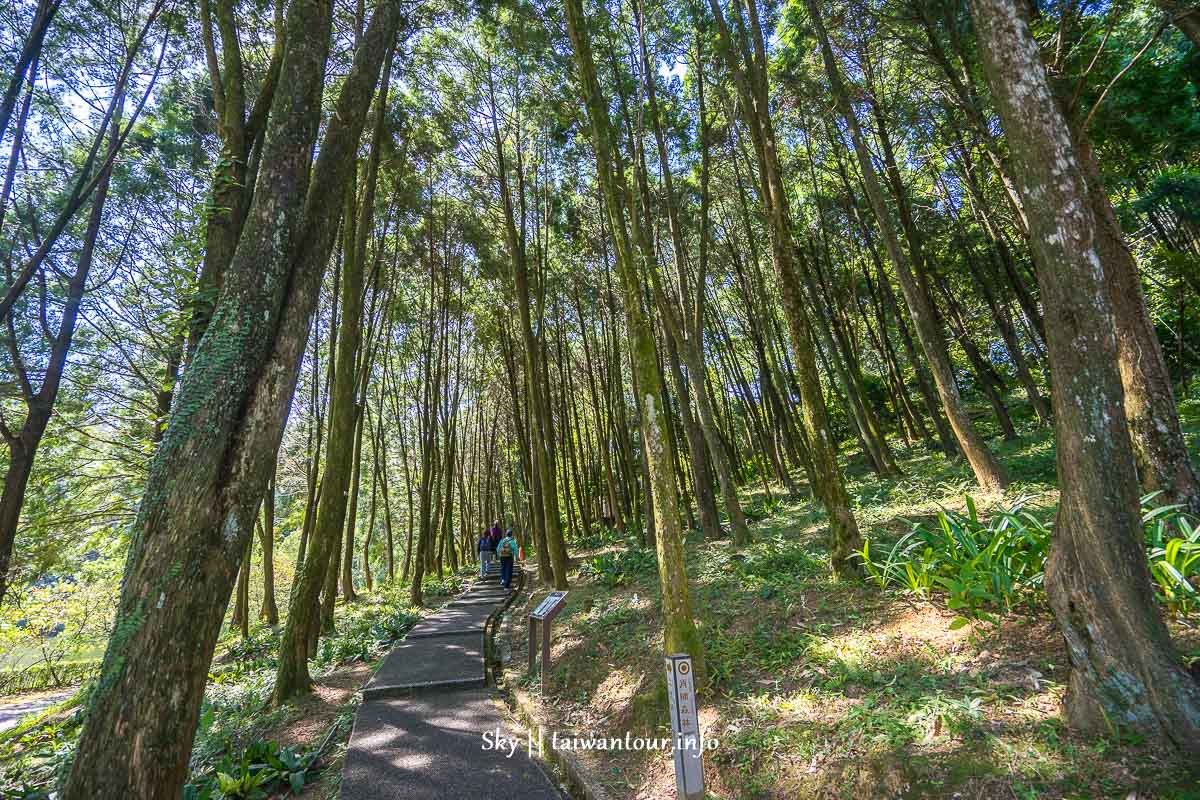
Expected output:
(553, 602)
(545, 612)
(685, 727)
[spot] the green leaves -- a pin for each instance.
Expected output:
(261, 770)
(1173, 541)
(618, 568)
(1001, 564)
(998, 564)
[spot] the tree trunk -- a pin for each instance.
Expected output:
(987, 469)
(844, 537)
(213, 466)
(1125, 674)
(270, 609)
(680, 633)
(1150, 410)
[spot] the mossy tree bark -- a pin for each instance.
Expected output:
(240, 129)
(1125, 674)
(320, 565)
(210, 472)
(679, 628)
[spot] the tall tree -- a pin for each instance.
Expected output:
(1124, 670)
(679, 628)
(214, 463)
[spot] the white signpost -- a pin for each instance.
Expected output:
(685, 728)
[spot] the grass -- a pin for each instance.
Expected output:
(820, 688)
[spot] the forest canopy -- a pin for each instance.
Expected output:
(300, 295)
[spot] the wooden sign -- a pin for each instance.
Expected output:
(545, 612)
(550, 606)
(685, 728)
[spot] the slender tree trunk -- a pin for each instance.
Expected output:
(24, 443)
(844, 537)
(680, 633)
(987, 469)
(270, 609)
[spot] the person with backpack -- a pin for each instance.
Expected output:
(507, 551)
(487, 551)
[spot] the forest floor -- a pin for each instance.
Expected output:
(824, 689)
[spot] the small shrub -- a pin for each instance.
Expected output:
(449, 585)
(48, 675)
(1173, 546)
(999, 564)
(258, 772)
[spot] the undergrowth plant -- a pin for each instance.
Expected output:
(1173, 546)
(983, 568)
(620, 567)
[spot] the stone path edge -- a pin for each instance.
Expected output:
(489, 628)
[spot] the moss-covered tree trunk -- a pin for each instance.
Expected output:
(324, 544)
(209, 474)
(1125, 674)
(679, 629)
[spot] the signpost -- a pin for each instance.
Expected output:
(545, 613)
(685, 727)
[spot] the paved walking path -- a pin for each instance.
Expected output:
(419, 734)
(14, 709)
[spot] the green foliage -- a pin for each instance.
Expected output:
(258, 772)
(619, 567)
(449, 585)
(365, 632)
(46, 750)
(1000, 564)
(50, 675)
(1173, 545)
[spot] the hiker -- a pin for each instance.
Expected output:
(487, 551)
(507, 551)
(495, 534)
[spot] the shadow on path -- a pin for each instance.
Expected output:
(420, 732)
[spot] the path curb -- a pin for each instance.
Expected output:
(580, 780)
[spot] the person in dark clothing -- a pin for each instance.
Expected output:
(507, 551)
(487, 552)
(495, 534)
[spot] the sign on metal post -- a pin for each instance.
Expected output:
(685, 727)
